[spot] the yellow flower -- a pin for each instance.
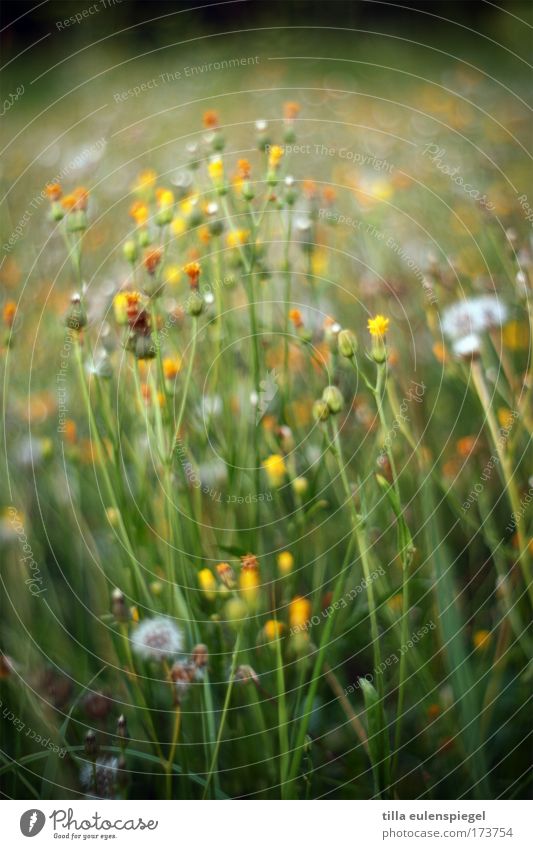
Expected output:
(178, 226)
(208, 583)
(515, 335)
(505, 418)
(120, 307)
(216, 170)
(275, 155)
(285, 562)
(172, 274)
(299, 611)
(275, 469)
(481, 639)
(134, 614)
(146, 180)
(273, 629)
(249, 585)
(165, 198)
(378, 325)
(237, 237)
(171, 367)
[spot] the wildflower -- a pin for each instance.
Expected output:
(275, 468)
(172, 274)
(237, 238)
(101, 779)
(333, 398)
(300, 485)
(157, 639)
(182, 675)
(249, 583)
(53, 191)
(378, 326)
(151, 259)
(273, 629)
(226, 575)
(192, 270)
(208, 584)
(8, 313)
(216, 171)
(299, 611)
(481, 639)
(466, 445)
(468, 347)
(210, 119)
(433, 711)
(473, 316)
(200, 655)
(285, 561)
(165, 206)
(291, 110)
(139, 212)
(275, 156)
(122, 731)
(296, 318)
(245, 674)
(171, 367)
(249, 563)
(244, 169)
(505, 417)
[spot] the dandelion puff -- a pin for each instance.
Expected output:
(157, 638)
(467, 347)
(473, 315)
(104, 773)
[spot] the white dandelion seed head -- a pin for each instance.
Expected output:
(261, 126)
(157, 639)
(473, 315)
(467, 347)
(105, 771)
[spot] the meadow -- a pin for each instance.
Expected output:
(266, 527)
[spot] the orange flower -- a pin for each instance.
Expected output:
(192, 270)
(296, 318)
(273, 629)
(139, 212)
(8, 313)
(291, 110)
(53, 191)
(70, 431)
(299, 611)
(151, 259)
(210, 119)
(81, 195)
(68, 202)
(466, 445)
(249, 563)
(329, 195)
(171, 367)
(244, 168)
(226, 575)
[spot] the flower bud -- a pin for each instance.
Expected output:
(195, 304)
(130, 251)
(122, 730)
(333, 398)
(347, 342)
(144, 348)
(200, 655)
(320, 411)
(300, 485)
(76, 317)
(119, 608)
